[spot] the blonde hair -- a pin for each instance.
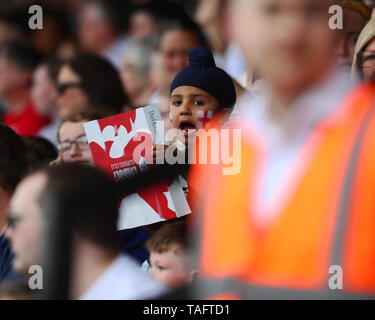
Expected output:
(366, 36)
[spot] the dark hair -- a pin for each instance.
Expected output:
(186, 25)
(170, 234)
(114, 11)
(23, 55)
(53, 65)
(13, 160)
(40, 152)
(100, 81)
(15, 17)
(89, 197)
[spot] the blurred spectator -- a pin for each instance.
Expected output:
(40, 152)
(310, 140)
(158, 77)
(17, 63)
(177, 40)
(364, 57)
(99, 271)
(55, 38)
(144, 22)
(13, 166)
(169, 260)
(214, 17)
(356, 16)
(89, 80)
(99, 29)
(12, 25)
(44, 95)
(135, 71)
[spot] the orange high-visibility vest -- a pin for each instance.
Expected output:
(324, 233)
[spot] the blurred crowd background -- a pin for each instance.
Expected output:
(95, 58)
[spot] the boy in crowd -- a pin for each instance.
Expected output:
(200, 91)
(197, 93)
(168, 255)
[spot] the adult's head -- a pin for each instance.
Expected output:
(17, 63)
(72, 141)
(145, 21)
(148, 19)
(40, 152)
(44, 90)
(85, 194)
(135, 70)
(364, 56)
(98, 24)
(56, 30)
(289, 41)
(89, 80)
(177, 40)
(13, 166)
(355, 17)
(13, 161)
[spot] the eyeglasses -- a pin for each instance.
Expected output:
(81, 143)
(62, 87)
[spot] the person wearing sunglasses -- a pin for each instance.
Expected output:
(88, 80)
(364, 58)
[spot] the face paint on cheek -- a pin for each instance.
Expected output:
(203, 116)
(170, 116)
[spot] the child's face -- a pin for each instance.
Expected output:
(170, 268)
(191, 108)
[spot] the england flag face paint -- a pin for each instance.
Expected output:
(203, 116)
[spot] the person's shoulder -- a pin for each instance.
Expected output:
(139, 283)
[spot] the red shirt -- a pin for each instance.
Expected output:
(26, 123)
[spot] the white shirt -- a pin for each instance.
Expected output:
(282, 140)
(115, 53)
(124, 280)
(232, 61)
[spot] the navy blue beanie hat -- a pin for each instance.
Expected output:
(203, 74)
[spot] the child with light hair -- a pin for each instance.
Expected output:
(169, 257)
